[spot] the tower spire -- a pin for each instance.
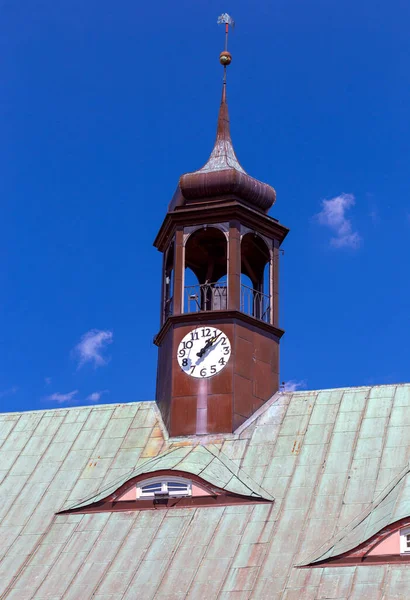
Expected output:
(223, 154)
(222, 175)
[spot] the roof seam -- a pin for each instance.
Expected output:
(350, 527)
(29, 557)
(326, 450)
(354, 445)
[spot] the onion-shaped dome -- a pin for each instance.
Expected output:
(223, 175)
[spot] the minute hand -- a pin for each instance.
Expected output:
(208, 344)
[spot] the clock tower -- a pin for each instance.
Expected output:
(218, 359)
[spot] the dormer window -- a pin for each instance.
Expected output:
(159, 487)
(405, 541)
(172, 489)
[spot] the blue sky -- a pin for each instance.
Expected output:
(105, 104)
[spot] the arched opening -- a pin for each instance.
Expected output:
(255, 269)
(168, 283)
(205, 270)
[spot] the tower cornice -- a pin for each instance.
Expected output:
(225, 209)
(215, 317)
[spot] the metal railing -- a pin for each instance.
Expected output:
(214, 296)
(255, 303)
(207, 296)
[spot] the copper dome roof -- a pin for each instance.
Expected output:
(222, 174)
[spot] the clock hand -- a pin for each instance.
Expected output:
(208, 344)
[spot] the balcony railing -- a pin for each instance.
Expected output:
(255, 303)
(208, 296)
(214, 296)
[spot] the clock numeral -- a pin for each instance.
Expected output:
(184, 362)
(194, 335)
(187, 345)
(193, 369)
(223, 341)
(181, 353)
(206, 332)
(213, 369)
(222, 361)
(227, 350)
(202, 372)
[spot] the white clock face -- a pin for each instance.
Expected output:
(204, 352)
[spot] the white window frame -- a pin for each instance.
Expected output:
(405, 540)
(164, 488)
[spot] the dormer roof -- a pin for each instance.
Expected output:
(206, 462)
(391, 506)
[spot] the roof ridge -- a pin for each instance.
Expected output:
(77, 407)
(238, 430)
(259, 412)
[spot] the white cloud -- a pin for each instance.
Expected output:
(9, 392)
(292, 385)
(91, 347)
(96, 396)
(333, 215)
(61, 398)
(47, 380)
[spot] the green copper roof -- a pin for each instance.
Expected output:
(336, 463)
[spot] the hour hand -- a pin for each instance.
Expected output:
(205, 348)
(208, 344)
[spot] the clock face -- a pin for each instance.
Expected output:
(204, 352)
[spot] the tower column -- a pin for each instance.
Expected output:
(179, 270)
(275, 285)
(234, 266)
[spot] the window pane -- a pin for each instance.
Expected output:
(173, 488)
(173, 485)
(151, 488)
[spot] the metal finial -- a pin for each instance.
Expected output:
(225, 18)
(225, 58)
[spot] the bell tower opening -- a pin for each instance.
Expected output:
(206, 257)
(218, 358)
(256, 298)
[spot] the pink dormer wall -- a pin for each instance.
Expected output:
(390, 545)
(130, 494)
(198, 491)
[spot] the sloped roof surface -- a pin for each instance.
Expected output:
(325, 456)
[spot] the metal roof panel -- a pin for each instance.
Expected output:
(331, 436)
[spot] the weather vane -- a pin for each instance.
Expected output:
(225, 58)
